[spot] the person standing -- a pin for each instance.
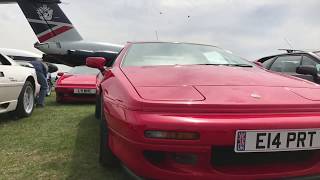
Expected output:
(42, 71)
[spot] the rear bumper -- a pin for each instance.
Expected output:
(165, 159)
(66, 94)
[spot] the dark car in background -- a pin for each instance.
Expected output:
(298, 63)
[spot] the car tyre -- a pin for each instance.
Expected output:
(59, 98)
(98, 106)
(106, 157)
(26, 101)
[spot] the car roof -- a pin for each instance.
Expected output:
(16, 52)
(295, 52)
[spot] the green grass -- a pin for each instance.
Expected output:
(56, 142)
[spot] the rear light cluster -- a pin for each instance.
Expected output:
(172, 135)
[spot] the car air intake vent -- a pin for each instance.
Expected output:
(4, 106)
(225, 159)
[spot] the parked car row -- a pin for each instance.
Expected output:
(186, 111)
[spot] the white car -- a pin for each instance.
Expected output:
(18, 87)
(23, 57)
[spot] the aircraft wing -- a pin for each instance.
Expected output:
(78, 57)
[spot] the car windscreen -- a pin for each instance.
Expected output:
(157, 54)
(83, 70)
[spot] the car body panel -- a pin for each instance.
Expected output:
(217, 130)
(226, 93)
(206, 75)
(78, 80)
(214, 101)
(11, 84)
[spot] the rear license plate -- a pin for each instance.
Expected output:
(84, 91)
(277, 140)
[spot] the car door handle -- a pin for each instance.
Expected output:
(1, 74)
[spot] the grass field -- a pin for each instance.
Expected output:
(56, 142)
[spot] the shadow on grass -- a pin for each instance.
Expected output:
(7, 117)
(85, 157)
(10, 116)
(50, 102)
(54, 103)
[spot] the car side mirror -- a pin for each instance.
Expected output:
(96, 62)
(60, 74)
(307, 70)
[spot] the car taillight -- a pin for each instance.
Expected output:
(172, 135)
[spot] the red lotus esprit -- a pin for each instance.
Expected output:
(190, 111)
(78, 85)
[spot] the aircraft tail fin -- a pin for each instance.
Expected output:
(48, 21)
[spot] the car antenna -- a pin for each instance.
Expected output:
(157, 35)
(291, 49)
(288, 42)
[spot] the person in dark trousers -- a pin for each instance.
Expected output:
(42, 71)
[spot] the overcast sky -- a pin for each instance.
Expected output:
(249, 28)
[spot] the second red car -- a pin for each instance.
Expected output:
(78, 85)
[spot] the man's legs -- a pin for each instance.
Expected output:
(43, 89)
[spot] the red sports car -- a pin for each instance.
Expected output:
(78, 85)
(190, 111)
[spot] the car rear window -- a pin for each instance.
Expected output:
(4, 61)
(317, 53)
(308, 61)
(84, 70)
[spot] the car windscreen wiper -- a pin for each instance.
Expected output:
(234, 65)
(240, 65)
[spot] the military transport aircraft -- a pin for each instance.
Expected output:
(58, 38)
